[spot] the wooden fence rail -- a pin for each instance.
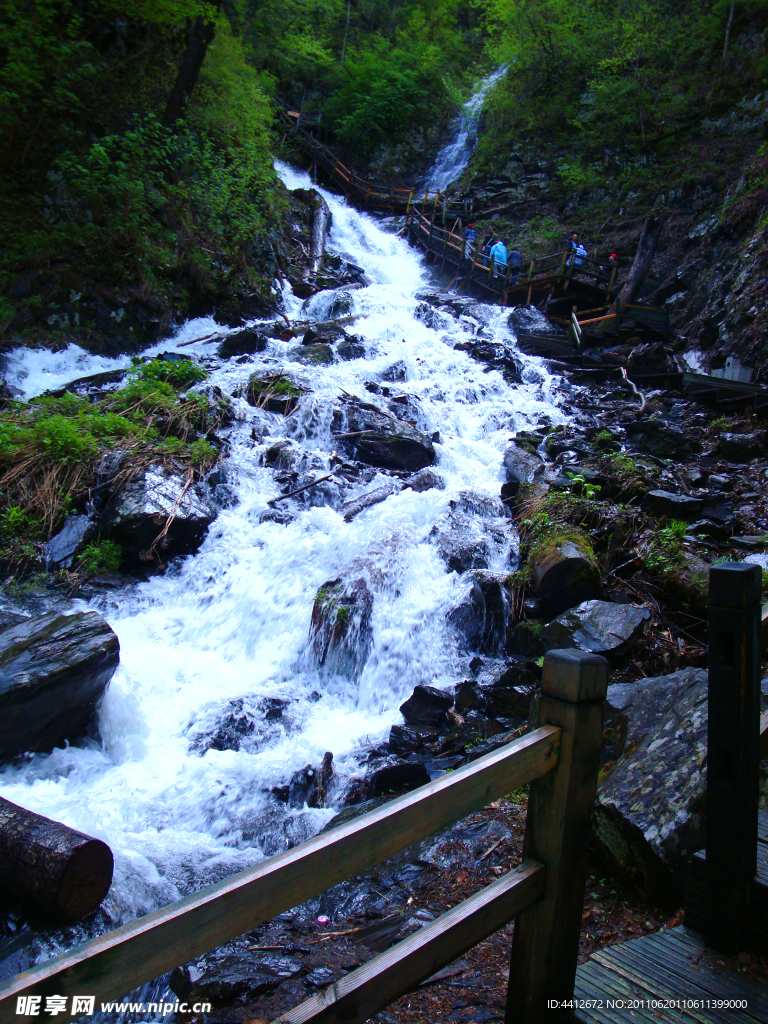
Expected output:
(560, 761)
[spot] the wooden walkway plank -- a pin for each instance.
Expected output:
(594, 982)
(672, 964)
(666, 975)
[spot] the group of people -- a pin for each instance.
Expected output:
(496, 251)
(502, 257)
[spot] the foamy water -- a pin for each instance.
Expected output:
(232, 621)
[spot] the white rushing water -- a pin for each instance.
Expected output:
(232, 621)
(455, 155)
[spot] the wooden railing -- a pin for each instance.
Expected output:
(544, 894)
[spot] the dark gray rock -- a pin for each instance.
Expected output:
(69, 541)
(427, 706)
(381, 439)
(664, 440)
(482, 619)
(10, 618)
(403, 741)
(676, 506)
(340, 632)
(473, 533)
(425, 480)
(528, 320)
(54, 670)
(522, 466)
(243, 343)
(221, 978)
(650, 812)
(740, 447)
(462, 845)
(136, 516)
(600, 627)
(396, 776)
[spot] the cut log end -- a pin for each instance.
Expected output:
(85, 881)
(49, 867)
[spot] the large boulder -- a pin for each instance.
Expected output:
(474, 532)
(340, 632)
(62, 549)
(380, 439)
(600, 627)
(136, 516)
(427, 706)
(650, 814)
(482, 619)
(53, 671)
(675, 506)
(521, 465)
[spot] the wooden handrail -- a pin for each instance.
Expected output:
(110, 965)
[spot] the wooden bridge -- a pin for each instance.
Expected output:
(544, 895)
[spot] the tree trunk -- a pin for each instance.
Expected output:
(189, 71)
(346, 33)
(49, 866)
(646, 250)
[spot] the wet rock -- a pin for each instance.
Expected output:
(403, 741)
(308, 786)
(463, 844)
(425, 480)
(242, 723)
(740, 447)
(243, 343)
(396, 776)
(664, 440)
(54, 670)
(650, 813)
(528, 320)
(321, 976)
(510, 695)
(350, 348)
(676, 506)
(468, 697)
(600, 627)
(381, 439)
(137, 514)
(61, 550)
(9, 618)
(427, 706)
(340, 632)
(396, 372)
(282, 455)
(482, 618)
(473, 533)
(221, 978)
(522, 466)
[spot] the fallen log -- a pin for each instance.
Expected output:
(565, 572)
(51, 867)
(352, 508)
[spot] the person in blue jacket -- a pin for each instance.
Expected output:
(499, 253)
(470, 237)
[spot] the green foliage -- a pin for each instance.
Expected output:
(100, 556)
(580, 484)
(664, 553)
(615, 84)
(50, 447)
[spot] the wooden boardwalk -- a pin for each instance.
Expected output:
(669, 976)
(694, 900)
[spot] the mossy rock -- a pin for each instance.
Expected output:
(564, 571)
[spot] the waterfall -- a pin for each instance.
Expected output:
(230, 624)
(455, 155)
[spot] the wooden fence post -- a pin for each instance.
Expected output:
(733, 758)
(545, 945)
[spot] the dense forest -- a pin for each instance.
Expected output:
(137, 138)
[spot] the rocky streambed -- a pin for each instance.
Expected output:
(406, 513)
